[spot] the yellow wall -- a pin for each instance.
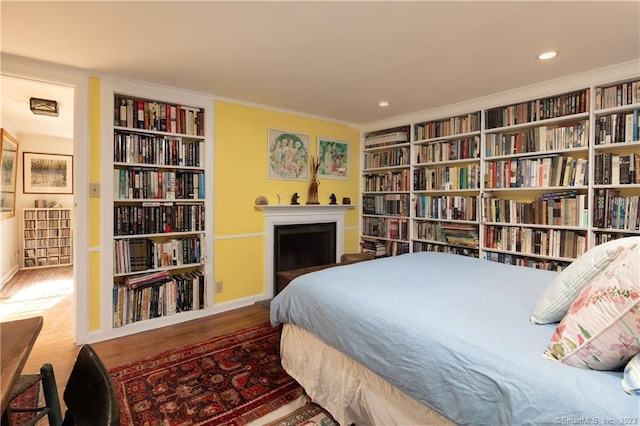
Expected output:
(241, 134)
(94, 204)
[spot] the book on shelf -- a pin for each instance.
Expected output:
(144, 280)
(158, 116)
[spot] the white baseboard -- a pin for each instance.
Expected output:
(6, 277)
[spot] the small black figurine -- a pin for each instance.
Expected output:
(333, 199)
(294, 199)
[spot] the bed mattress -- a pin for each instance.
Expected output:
(453, 333)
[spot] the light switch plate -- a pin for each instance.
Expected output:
(94, 190)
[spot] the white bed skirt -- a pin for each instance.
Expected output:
(345, 388)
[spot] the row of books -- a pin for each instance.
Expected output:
(47, 242)
(616, 128)
(614, 169)
(459, 234)
(158, 116)
(545, 242)
(457, 149)
(157, 295)
(449, 127)
(47, 261)
(158, 218)
(537, 172)
(44, 252)
(446, 178)
(419, 246)
(538, 139)
(539, 109)
(140, 184)
(157, 150)
(601, 238)
(618, 95)
(560, 209)
(510, 259)
(392, 157)
(141, 254)
(613, 211)
(47, 214)
(44, 224)
(378, 248)
(386, 204)
(390, 228)
(397, 180)
(386, 248)
(387, 138)
(446, 207)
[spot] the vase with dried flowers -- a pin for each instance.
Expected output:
(313, 186)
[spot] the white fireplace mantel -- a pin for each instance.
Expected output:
(276, 215)
(305, 209)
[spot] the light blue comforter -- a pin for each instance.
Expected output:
(453, 332)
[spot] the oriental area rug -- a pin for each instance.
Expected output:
(229, 380)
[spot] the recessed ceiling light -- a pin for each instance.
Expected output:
(547, 55)
(383, 104)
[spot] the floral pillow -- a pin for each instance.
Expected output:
(556, 299)
(601, 331)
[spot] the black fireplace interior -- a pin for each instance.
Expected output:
(304, 245)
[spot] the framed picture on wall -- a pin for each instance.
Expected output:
(288, 155)
(47, 173)
(9, 148)
(334, 158)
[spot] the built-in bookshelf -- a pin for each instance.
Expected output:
(446, 184)
(386, 192)
(158, 269)
(534, 183)
(616, 158)
(46, 237)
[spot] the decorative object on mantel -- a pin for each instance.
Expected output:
(280, 199)
(262, 201)
(346, 200)
(333, 199)
(294, 199)
(313, 186)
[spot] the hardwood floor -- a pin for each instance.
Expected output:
(55, 343)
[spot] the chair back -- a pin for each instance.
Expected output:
(89, 394)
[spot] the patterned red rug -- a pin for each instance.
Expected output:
(229, 380)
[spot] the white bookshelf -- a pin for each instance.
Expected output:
(46, 237)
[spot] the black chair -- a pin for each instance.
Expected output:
(89, 394)
(51, 407)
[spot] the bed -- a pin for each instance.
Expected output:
(434, 338)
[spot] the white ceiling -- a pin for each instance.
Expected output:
(333, 59)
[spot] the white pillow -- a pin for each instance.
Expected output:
(631, 376)
(555, 301)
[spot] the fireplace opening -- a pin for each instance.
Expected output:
(303, 245)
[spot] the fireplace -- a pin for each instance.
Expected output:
(303, 245)
(313, 218)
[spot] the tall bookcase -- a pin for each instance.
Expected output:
(616, 159)
(158, 271)
(534, 183)
(446, 185)
(47, 238)
(535, 199)
(386, 192)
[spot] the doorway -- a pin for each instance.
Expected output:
(49, 288)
